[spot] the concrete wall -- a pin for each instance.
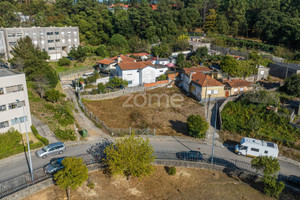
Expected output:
(7, 98)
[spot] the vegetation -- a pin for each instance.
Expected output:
(171, 170)
(32, 61)
(292, 85)
(79, 54)
(162, 77)
(197, 126)
(11, 144)
(255, 120)
(64, 135)
(74, 174)
(52, 95)
(64, 62)
(269, 167)
(45, 141)
(130, 156)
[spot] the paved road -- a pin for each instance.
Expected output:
(16, 165)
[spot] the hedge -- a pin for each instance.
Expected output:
(45, 141)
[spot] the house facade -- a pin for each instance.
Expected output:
(109, 64)
(56, 41)
(236, 86)
(139, 73)
(13, 101)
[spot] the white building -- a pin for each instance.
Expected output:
(13, 98)
(138, 73)
(56, 41)
(160, 61)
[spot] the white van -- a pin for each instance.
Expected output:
(253, 148)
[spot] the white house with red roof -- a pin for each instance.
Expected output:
(138, 73)
(109, 64)
(142, 56)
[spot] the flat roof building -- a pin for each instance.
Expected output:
(56, 41)
(13, 98)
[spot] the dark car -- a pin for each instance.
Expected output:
(294, 180)
(53, 166)
(189, 155)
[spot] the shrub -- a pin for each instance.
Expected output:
(64, 62)
(67, 134)
(45, 141)
(52, 95)
(94, 91)
(162, 77)
(101, 88)
(197, 126)
(292, 85)
(91, 184)
(172, 171)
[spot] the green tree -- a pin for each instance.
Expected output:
(64, 62)
(101, 51)
(52, 95)
(131, 156)
(74, 174)
(162, 77)
(119, 40)
(101, 88)
(116, 82)
(292, 85)
(197, 126)
(79, 54)
(179, 60)
(211, 20)
(222, 25)
(269, 166)
(229, 65)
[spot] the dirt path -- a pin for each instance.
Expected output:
(94, 133)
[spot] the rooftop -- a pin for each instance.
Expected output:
(8, 72)
(204, 80)
(106, 61)
(124, 58)
(196, 69)
(135, 65)
(238, 83)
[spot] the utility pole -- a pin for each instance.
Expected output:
(29, 155)
(287, 70)
(213, 145)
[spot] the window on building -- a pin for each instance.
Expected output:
(129, 82)
(1, 91)
(212, 92)
(75, 32)
(161, 70)
(51, 48)
(75, 40)
(58, 48)
(262, 72)
(18, 120)
(2, 108)
(43, 42)
(12, 44)
(19, 34)
(266, 152)
(69, 40)
(16, 105)
(15, 88)
(26, 34)
(241, 89)
(129, 74)
(235, 89)
(42, 34)
(50, 41)
(56, 33)
(69, 32)
(62, 33)
(35, 42)
(57, 40)
(254, 149)
(11, 35)
(49, 33)
(34, 34)
(4, 124)
(63, 40)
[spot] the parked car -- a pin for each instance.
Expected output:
(190, 155)
(294, 180)
(51, 149)
(53, 166)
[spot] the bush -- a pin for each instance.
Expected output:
(172, 171)
(273, 187)
(64, 62)
(292, 85)
(45, 141)
(52, 95)
(91, 185)
(197, 126)
(94, 91)
(67, 134)
(101, 88)
(162, 77)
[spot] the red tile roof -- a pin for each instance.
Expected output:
(196, 69)
(120, 4)
(238, 83)
(135, 65)
(138, 54)
(205, 80)
(154, 6)
(124, 58)
(106, 61)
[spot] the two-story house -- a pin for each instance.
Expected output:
(138, 73)
(109, 64)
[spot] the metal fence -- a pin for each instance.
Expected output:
(114, 131)
(23, 181)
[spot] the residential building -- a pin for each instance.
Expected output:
(204, 88)
(109, 64)
(13, 99)
(204, 70)
(283, 70)
(139, 73)
(236, 86)
(141, 56)
(56, 41)
(195, 45)
(196, 39)
(160, 61)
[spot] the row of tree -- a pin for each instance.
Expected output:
(273, 21)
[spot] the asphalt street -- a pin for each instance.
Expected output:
(16, 165)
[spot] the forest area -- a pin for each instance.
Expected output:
(274, 22)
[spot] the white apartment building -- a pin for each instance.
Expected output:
(13, 101)
(56, 41)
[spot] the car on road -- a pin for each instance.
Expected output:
(189, 155)
(51, 149)
(53, 166)
(294, 180)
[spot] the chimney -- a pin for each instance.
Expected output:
(119, 59)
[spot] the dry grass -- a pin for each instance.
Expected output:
(167, 119)
(186, 184)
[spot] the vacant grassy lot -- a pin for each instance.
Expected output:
(186, 184)
(148, 111)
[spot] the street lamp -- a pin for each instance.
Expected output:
(29, 155)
